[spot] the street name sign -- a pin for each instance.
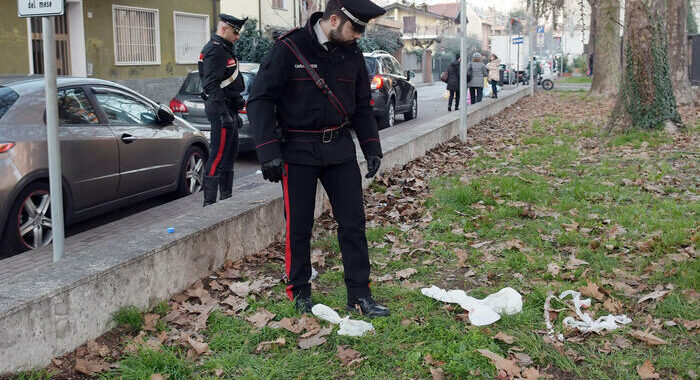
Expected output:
(518, 40)
(40, 8)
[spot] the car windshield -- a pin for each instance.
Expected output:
(8, 97)
(371, 64)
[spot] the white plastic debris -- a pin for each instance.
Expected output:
(314, 274)
(587, 324)
(481, 312)
(349, 327)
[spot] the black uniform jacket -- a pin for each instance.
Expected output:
(285, 98)
(216, 64)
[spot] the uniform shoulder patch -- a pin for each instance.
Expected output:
(282, 36)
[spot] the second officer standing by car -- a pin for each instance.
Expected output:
(310, 91)
(222, 84)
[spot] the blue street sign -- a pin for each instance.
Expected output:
(540, 28)
(518, 40)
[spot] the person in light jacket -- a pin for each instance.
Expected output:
(453, 83)
(478, 73)
(494, 68)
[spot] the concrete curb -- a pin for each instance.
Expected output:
(51, 310)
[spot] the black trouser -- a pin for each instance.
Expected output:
(223, 147)
(494, 88)
(453, 94)
(343, 184)
(476, 93)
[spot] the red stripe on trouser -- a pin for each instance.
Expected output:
(287, 245)
(222, 144)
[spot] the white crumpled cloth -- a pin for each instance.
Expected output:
(481, 312)
(349, 327)
(587, 324)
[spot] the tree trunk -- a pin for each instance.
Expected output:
(590, 48)
(678, 50)
(306, 8)
(646, 99)
(606, 63)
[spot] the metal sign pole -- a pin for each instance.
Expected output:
(52, 142)
(463, 73)
(531, 35)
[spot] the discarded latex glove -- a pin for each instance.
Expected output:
(481, 312)
(349, 327)
(587, 324)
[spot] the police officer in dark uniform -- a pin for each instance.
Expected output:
(301, 126)
(222, 84)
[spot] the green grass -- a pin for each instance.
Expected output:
(129, 317)
(545, 171)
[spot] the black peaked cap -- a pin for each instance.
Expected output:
(234, 22)
(361, 11)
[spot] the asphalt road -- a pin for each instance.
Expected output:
(430, 105)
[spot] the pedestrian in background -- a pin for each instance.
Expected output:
(494, 68)
(453, 83)
(223, 85)
(310, 92)
(476, 83)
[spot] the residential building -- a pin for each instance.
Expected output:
(274, 16)
(451, 11)
(148, 45)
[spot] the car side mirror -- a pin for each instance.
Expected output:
(165, 115)
(410, 75)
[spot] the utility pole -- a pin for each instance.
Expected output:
(531, 32)
(463, 73)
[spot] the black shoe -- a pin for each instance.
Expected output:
(449, 109)
(456, 108)
(210, 188)
(226, 184)
(368, 306)
(303, 304)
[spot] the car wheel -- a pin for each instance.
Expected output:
(547, 84)
(389, 117)
(29, 222)
(192, 172)
(413, 113)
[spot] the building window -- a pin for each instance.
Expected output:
(191, 33)
(136, 35)
(279, 4)
(409, 24)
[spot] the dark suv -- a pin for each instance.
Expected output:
(189, 105)
(392, 91)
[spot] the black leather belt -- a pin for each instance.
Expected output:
(324, 136)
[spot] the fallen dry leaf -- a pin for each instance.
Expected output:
(96, 349)
(260, 319)
(241, 289)
(313, 341)
(613, 305)
(648, 338)
(501, 363)
(200, 348)
(310, 325)
(531, 374)
(504, 337)
(462, 257)
(553, 269)
(656, 295)
(592, 290)
(574, 263)
(236, 303)
(348, 356)
(264, 346)
(646, 371)
(437, 373)
(573, 226)
(91, 367)
(150, 321)
(405, 273)
(158, 376)
(292, 325)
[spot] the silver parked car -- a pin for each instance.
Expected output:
(117, 147)
(189, 105)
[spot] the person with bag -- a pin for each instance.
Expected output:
(494, 69)
(310, 91)
(222, 85)
(453, 83)
(476, 72)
